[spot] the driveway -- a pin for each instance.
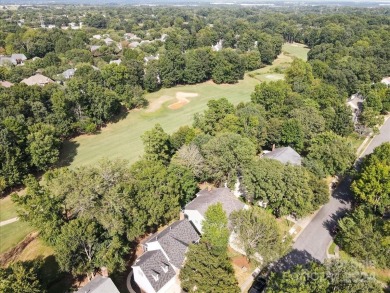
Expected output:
(313, 242)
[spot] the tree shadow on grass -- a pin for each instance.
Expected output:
(123, 112)
(68, 153)
(292, 259)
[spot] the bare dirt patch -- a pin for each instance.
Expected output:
(156, 104)
(13, 253)
(182, 99)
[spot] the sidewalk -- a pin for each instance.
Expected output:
(10, 221)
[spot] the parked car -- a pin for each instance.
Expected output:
(258, 285)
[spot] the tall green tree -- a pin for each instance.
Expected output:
(332, 153)
(157, 144)
(215, 227)
(260, 235)
(226, 154)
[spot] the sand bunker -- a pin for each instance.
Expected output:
(156, 104)
(182, 99)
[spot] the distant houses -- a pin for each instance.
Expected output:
(69, 73)
(37, 79)
(218, 46)
(386, 80)
(14, 59)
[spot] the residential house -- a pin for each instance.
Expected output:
(117, 62)
(217, 47)
(14, 59)
(133, 45)
(151, 58)
(99, 284)
(355, 102)
(6, 84)
(196, 209)
(69, 73)
(163, 37)
(153, 273)
(97, 37)
(108, 41)
(130, 36)
(164, 252)
(94, 48)
(386, 80)
(284, 155)
(37, 79)
(18, 58)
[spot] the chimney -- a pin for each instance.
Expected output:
(155, 276)
(273, 147)
(165, 268)
(104, 272)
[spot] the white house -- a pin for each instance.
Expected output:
(69, 73)
(386, 80)
(157, 269)
(217, 47)
(14, 59)
(195, 210)
(117, 62)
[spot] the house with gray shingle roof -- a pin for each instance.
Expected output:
(99, 284)
(153, 273)
(284, 155)
(69, 73)
(196, 209)
(157, 269)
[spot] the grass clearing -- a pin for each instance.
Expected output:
(12, 234)
(7, 209)
(123, 138)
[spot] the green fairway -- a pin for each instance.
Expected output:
(12, 234)
(123, 139)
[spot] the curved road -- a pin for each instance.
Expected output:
(313, 242)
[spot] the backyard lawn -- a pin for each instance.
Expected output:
(12, 234)
(171, 108)
(7, 209)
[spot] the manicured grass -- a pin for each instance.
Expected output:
(35, 249)
(297, 50)
(7, 209)
(123, 139)
(12, 234)
(332, 248)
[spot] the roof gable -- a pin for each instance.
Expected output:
(156, 268)
(175, 240)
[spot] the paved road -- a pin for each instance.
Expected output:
(382, 137)
(313, 242)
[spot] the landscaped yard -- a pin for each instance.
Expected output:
(171, 108)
